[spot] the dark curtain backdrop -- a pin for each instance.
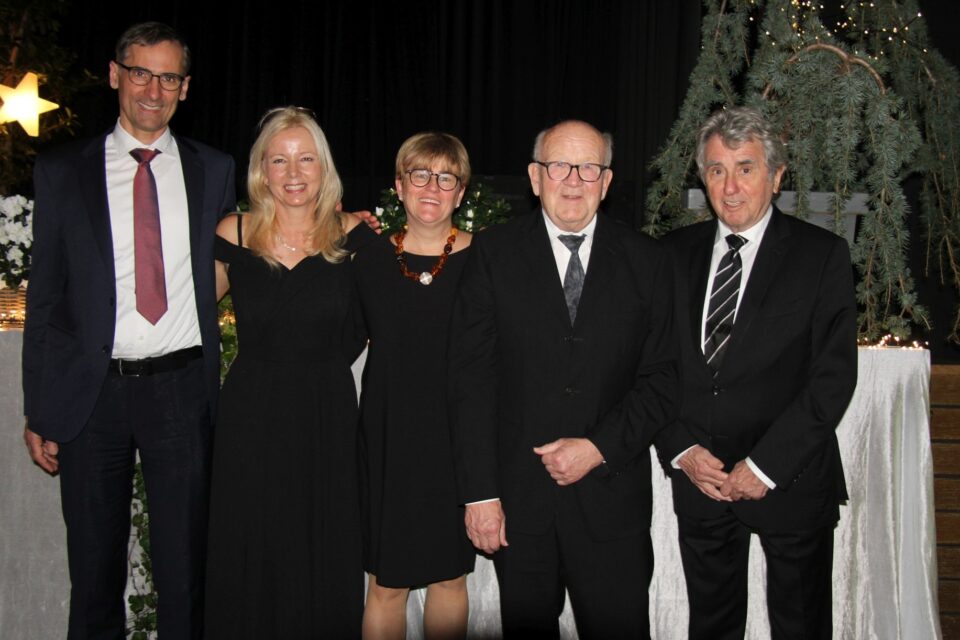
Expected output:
(492, 72)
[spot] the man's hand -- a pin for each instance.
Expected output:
(705, 471)
(43, 452)
(569, 459)
(743, 484)
(367, 218)
(486, 526)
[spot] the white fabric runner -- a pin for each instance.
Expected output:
(885, 567)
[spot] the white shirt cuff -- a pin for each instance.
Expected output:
(675, 463)
(482, 501)
(760, 474)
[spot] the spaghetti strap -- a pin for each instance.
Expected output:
(239, 229)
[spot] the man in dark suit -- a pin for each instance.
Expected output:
(562, 371)
(121, 344)
(766, 318)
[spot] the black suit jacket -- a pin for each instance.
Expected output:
(786, 379)
(521, 376)
(71, 296)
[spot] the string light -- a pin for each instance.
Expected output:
(890, 341)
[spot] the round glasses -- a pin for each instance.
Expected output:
(588, 171)
(143, 77)
(421, 178)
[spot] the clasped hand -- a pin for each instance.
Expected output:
(569, 459)
(706, 472)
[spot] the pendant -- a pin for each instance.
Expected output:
(426, 278)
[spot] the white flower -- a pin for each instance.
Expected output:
(469, 213)
(378, 212)
(16, 234)
(469, 225)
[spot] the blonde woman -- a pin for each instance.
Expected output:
(284, 545)
(413, 529)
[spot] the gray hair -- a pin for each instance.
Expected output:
(607, 140)
(149, 33)
(738, 125)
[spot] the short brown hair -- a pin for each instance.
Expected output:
(421, 150)
(150, 33)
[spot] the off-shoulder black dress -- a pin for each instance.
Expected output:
(284, 558)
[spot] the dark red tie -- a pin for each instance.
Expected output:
(151, 287)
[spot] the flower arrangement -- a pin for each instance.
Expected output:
(479, 209)
(16, 238)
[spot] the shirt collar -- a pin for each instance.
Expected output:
(554, 231)
(126, 143)
(753, 235)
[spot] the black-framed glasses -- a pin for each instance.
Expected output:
(421, 178)
(143, 77)
(559, 170)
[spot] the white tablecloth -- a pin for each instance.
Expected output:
(885, 567)
(885, 563)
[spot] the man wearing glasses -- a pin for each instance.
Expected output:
(121, 344)
(563, 368)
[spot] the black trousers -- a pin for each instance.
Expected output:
(715, 555)
(166, 418)
(608, 580)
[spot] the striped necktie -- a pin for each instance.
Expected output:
(723, 303)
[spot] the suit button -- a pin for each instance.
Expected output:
(569, 391)
(716, 390)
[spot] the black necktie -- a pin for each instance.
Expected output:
(573, 280)
(723, 303)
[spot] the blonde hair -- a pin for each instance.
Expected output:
(421, 150)
(326, 237)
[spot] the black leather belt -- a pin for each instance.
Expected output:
(159, 364)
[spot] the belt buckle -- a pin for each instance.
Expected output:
(120, 370)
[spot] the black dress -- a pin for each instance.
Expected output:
(413, 528)
(284, 558)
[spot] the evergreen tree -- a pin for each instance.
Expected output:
(861, 103)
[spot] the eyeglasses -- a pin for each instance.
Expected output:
(143, 77)
(588, 171)
(421, 178)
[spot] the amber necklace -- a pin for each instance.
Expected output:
(425, 277)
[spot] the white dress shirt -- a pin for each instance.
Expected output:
(179, 327)
(560, 252)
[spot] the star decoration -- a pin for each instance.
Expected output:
(24, 105)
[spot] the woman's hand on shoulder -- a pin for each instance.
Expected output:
(227, 228)
(351, 220)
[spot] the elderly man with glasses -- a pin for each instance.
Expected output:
(563, 369)
(121, 344)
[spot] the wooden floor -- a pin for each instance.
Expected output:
(945, 436)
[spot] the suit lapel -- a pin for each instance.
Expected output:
(538, 256)
(193, 180)
(600, 271)
(766, 266)
(93, 183)
(699, 274)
